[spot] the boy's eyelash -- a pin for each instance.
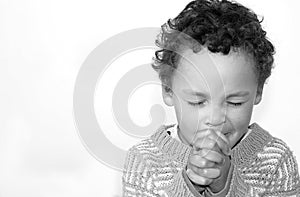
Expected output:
(202, 102)
(235, 104)
(198, 103)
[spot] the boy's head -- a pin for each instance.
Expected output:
(213, 63)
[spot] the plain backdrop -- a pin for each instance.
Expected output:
(42, 46)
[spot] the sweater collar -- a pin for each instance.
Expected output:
(241, 154)
(245, 151)
(173, 148)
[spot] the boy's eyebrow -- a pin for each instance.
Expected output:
(201, 94)
(238, 94)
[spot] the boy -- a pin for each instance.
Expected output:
(213, 63)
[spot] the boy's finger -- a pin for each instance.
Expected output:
(205, 142)
(201, 134)
(198, 179)
(220, 134)
(210, 173)
(208, 132)
(216, 136)
(223, 145)
(211, 155)
(200, 162)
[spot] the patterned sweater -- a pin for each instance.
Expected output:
(262, 166)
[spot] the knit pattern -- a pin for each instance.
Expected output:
(263, 166)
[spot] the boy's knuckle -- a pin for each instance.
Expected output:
(201, 172)
(209, 132)
(211, 144)
(207, 181)
(201, 180)
(203, 162)
(204, 152)
(192, 161)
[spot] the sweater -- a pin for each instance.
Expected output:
(261, 166)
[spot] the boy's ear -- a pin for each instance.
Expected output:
(167, 94)
(258, 96)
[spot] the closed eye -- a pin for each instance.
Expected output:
(196, 103)
(199, 103)
(235, 104)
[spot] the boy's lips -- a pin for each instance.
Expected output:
(227, 132)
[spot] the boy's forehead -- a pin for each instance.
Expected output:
(215, 68)
(207, 62)
(198, 66)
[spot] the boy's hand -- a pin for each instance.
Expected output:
(207, 166)
(219, 183)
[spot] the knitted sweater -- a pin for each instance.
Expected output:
(261, 166)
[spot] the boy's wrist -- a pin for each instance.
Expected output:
(217, 185)
(194, 187)
(221, 193)
(220, 183)
(218, 188)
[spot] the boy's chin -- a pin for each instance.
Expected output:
(234, 139)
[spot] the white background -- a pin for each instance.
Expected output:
(42, 46)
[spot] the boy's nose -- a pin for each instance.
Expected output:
(216, 117)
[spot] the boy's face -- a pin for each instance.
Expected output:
(211, 90)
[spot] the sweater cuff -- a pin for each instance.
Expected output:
(180, 187)
(225, 190)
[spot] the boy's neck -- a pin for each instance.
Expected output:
(181, 137)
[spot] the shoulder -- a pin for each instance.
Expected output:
(146, 149)
(284, 168)
(278, 167)
(275, 149)
(279, 150)
(270, 152)
(151, 143)
(276, 153)
(273, 169)
(144, 160)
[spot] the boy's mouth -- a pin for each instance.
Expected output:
(227, 134)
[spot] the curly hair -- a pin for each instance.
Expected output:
(219, 25)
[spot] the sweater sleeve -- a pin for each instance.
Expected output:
(226, 188)
(182, 187)
(134, 178)
(285, 180)
(138, 180)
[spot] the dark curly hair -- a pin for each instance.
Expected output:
(219, 25)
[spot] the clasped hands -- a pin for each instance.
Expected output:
(209, 163)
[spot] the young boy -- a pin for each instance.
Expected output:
(213, 63)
